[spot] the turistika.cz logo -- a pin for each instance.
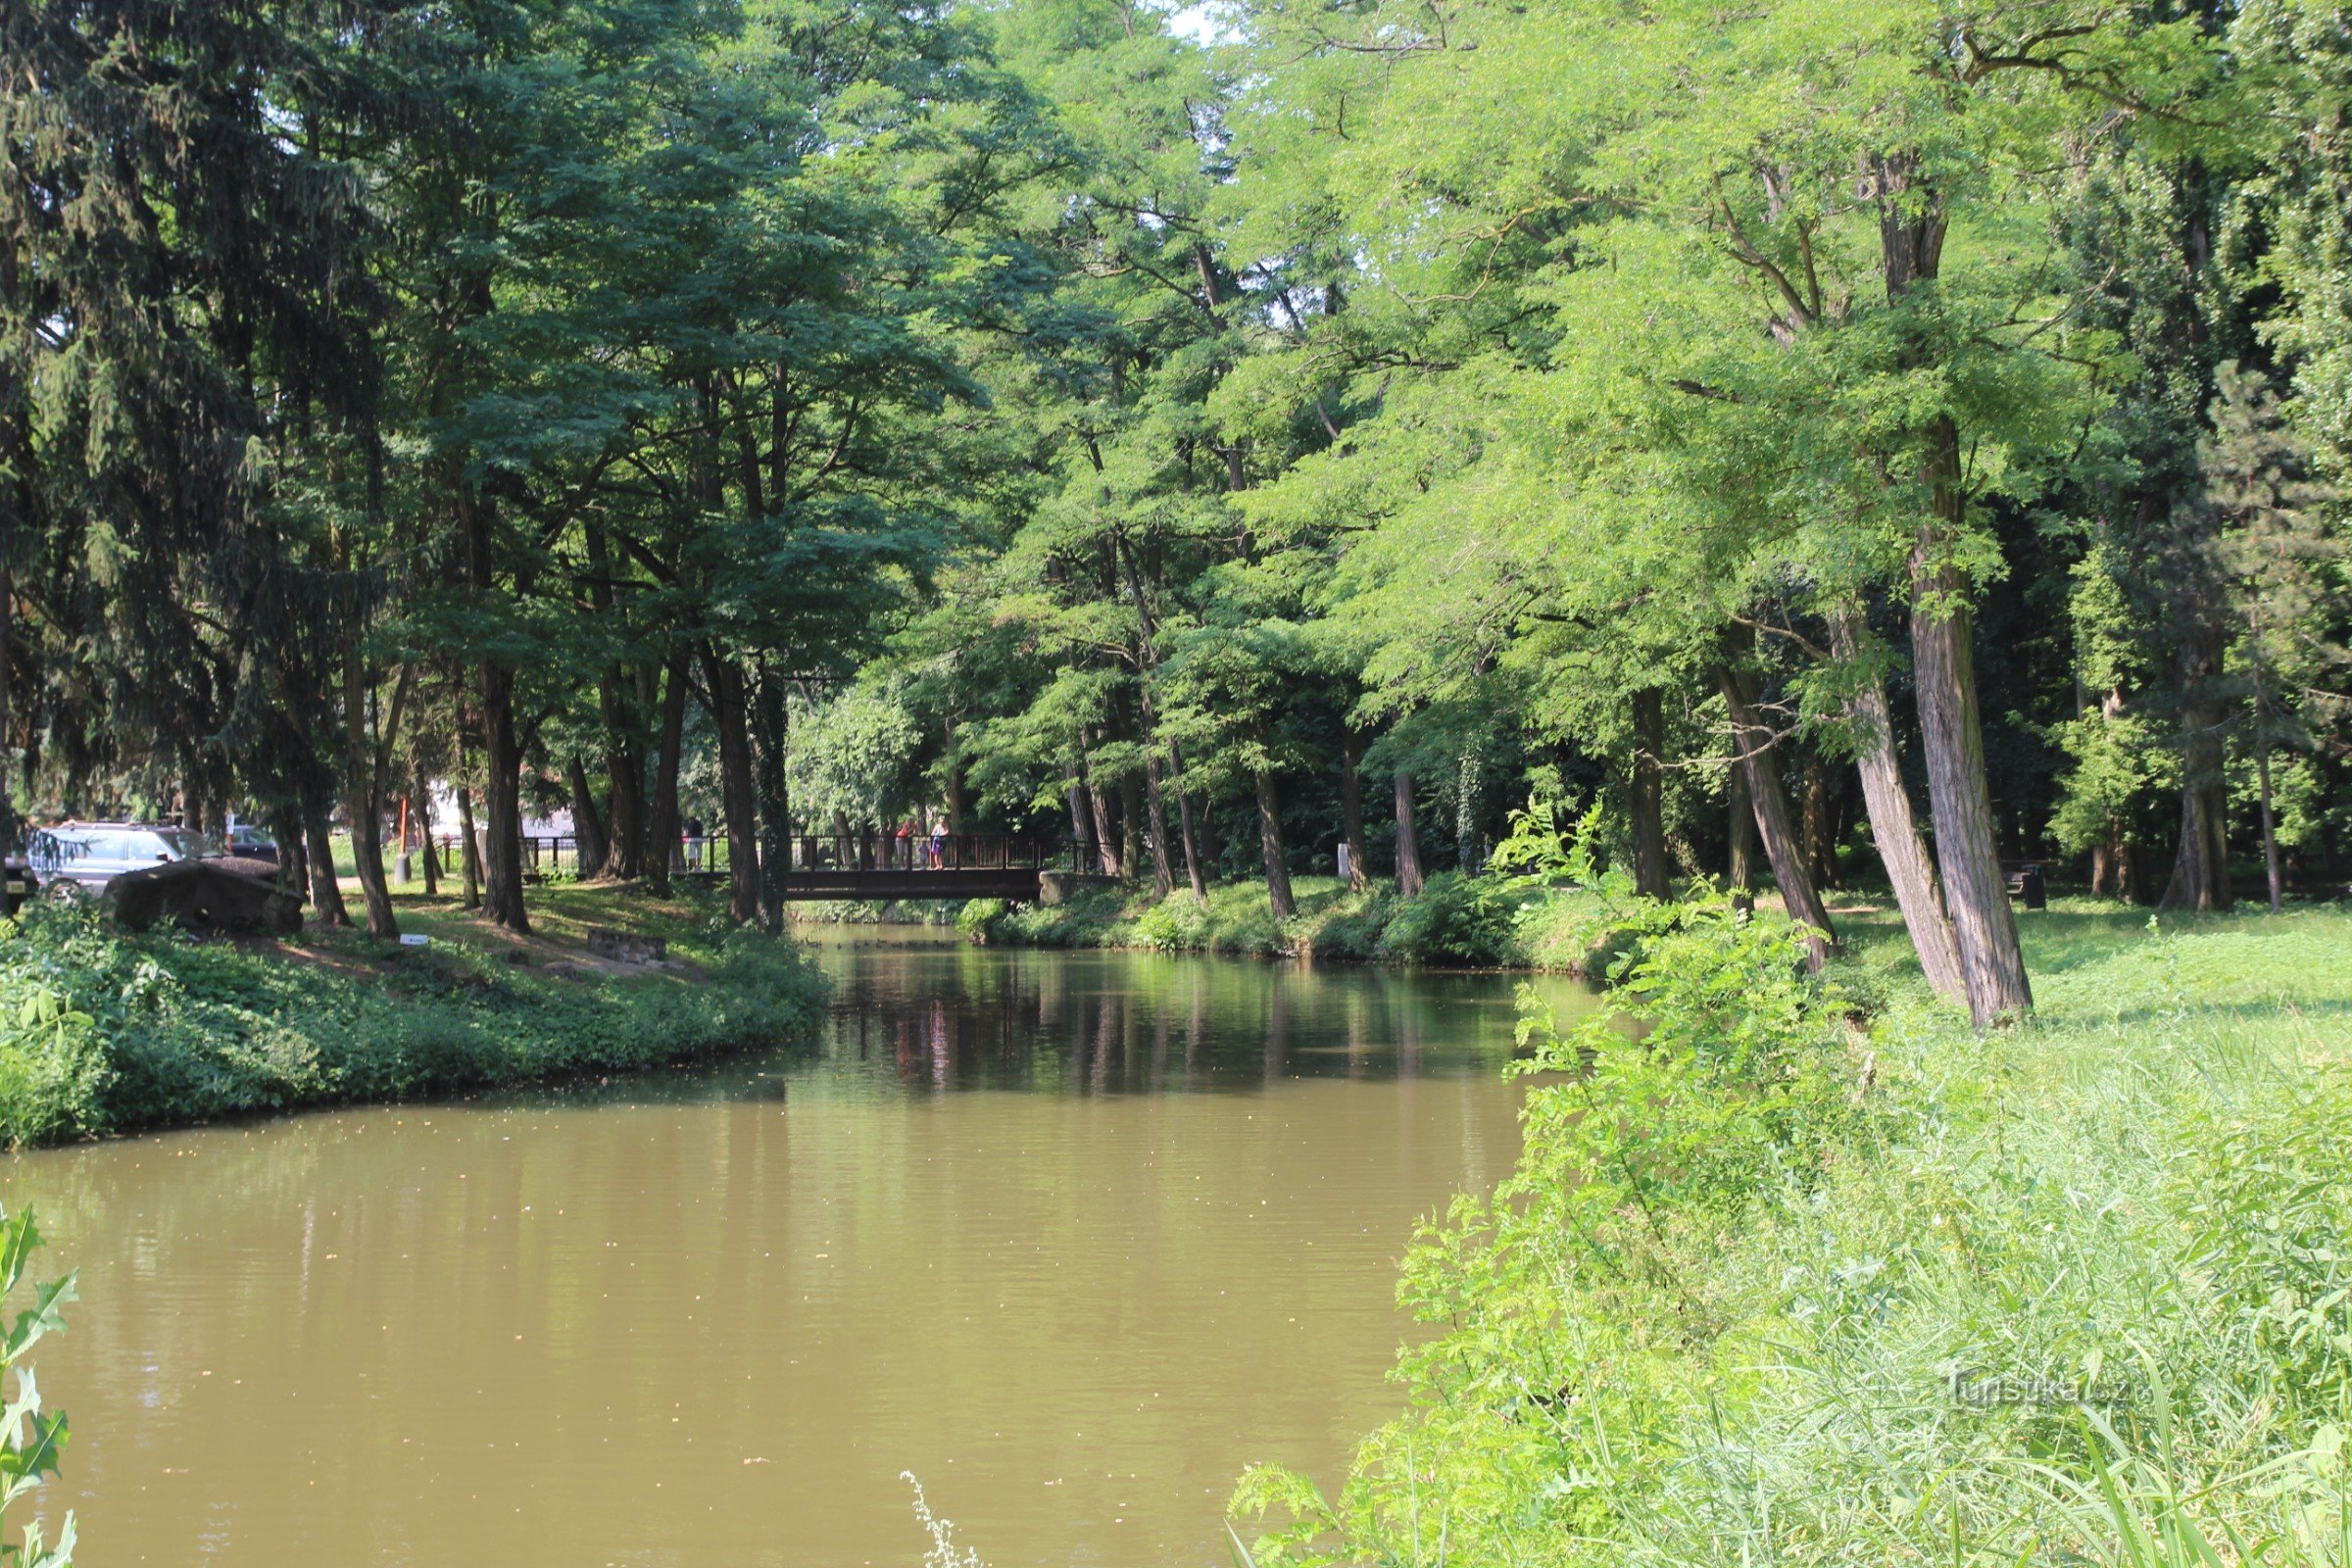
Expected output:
(1985, 1391)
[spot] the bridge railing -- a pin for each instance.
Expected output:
(543, 853)
(922, 851)
(871, 851)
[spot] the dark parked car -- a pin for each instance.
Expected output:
(248, 843)
(75, 861)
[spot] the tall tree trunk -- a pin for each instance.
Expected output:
(2201, 865)
(590, 847)
(663, 853)
(1409, 881)
(1351, 809)
(363, 798)
(470, 850)
(502, 752)
(1943, 665)
(1163, 875)
(775, 801)
(1147, 658)
(1107, 844)
(1894, 828)
(1650, 874)
(326, 895)
(1814, 827)
(1082, 828)
(502, 803)
(1911, 233)
(624, 786)
(423, 787)
(1204, 826)
(1739, 870)
(1195, 853)
(2114, 861)
(293, 857)
(1196, 866)
(624, 761)
(2270, 824)
(1754, 743)
(1131, 826)
(738, 792)
(1270, 847)
(469, 847)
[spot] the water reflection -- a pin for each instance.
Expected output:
(1073, 1235)
(916, 1009)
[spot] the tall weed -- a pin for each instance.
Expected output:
(32, 1439)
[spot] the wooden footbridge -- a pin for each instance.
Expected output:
(866, 866)
(940, 866)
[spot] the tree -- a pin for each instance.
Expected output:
(2280, 558)
(190, 390)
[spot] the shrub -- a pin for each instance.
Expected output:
(1352, 926)
(981, 921)
(52, 1072)
(1454, 921)
(1563, 1289)
(1182, 923)
(1088, 918)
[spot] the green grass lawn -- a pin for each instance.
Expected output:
(561, 910)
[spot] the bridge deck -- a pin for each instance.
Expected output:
(879, 866)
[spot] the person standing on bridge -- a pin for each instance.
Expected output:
(907, 844)
(939, 843)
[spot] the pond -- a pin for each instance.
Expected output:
(1073, 1237)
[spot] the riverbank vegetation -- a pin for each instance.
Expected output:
(104, 1033)
(1771, 1284)
(1454, 921)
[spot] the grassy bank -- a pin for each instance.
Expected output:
(1773, 1287)
(104, 1033)
(1451, 922)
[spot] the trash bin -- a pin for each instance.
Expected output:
(2030, 888)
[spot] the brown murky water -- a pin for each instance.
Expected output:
(1073, 1237)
